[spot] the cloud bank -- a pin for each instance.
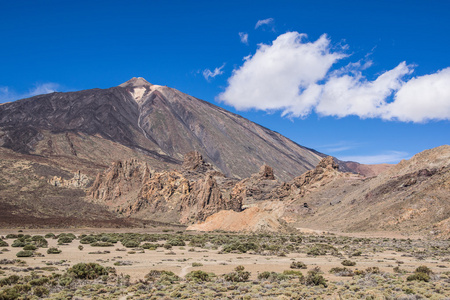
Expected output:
(294, 76)
(6, 94)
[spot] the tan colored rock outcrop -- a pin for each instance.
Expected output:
(186, 196)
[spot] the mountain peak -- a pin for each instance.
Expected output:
(136, 82)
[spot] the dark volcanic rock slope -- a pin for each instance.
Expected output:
(153, 123)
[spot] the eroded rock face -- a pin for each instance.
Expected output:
(266, 172)
(204, 200)
(173, 196)
(120, 183)
(326, 170)
(193, 161)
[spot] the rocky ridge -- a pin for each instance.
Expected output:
(185, 196)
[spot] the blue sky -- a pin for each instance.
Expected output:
(360, 80)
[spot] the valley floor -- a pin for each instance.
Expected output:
(163, 263)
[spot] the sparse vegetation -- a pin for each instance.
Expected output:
(61, 279)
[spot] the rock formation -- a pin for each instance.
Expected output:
(186, 196)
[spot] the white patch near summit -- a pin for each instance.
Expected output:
(138, 93)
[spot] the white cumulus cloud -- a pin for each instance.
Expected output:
(207, 73)
(422, 98)
(244, 37)
(294, 76)
(267, 21)
(352, 94)
(282, 75)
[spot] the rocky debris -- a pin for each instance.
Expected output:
(79, 180)
(325, 171)
(266, 173)
(193, 161)
(252, 219)
(399, 183)
(257, 187)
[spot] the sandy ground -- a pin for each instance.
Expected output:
(180, 259)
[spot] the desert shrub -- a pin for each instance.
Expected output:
(69, 235)
(167, 246)
(359, 272)
(348, 263)
(315, 278)
(239, 275)
(422, 273)
(53, 250)
(3, 243)
(40, 291)
(29, 247)
(9, 293)
(241, 247)
(13, 279)
(102, 244)
(198, 276)
(423, 269)
(341, 271)
(12, 236)
(419, 277)
(157, 275)
(322, 249)
(64, 240)
(196, 264)
(65, 280)
(293, 273)
(80, 247)
(298, 265)
(22, 288)
(50, 236)
(131, 243)
(18, 243)
(373, 270)
(150, 246)
(24, 253)
(357, 253)
(87, 271)
(88, 239)
(39, 281)
(176, 242)
(398, 270)
(272, 276)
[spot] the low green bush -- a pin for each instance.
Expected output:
(24, 253)
(348, 263)
(87, 271)
(298, 265)
(239, 275)
(53, 250)
(29, 247)
(199, 276)
(315, 278)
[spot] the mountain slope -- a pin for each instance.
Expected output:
(154, 123)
